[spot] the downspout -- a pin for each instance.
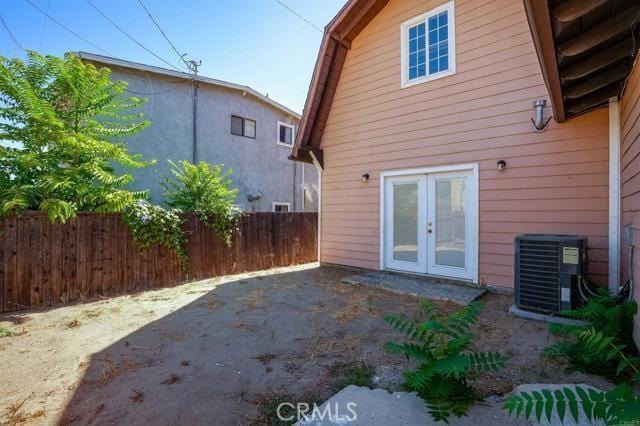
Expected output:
(319, 170)
(195, 120)
(304, 195)
(614, 195)
(295, 178)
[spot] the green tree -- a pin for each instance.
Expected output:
(66, 119)
(438, 344)
(206, 191)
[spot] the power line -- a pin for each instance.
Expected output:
(44, 26)
(181, 56)
(299, 16)
(15, 40)
(55, 21)
(129, 35)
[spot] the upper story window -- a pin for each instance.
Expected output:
(428, 46)
(243, 127)
(286, 134)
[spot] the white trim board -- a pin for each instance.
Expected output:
(614, 195)
(473, 167)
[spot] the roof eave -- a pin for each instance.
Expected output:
(207, 80)
(539, 19)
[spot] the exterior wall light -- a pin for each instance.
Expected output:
(539, 123)
(502, 164)
(365, 177)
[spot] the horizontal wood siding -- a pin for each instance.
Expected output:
(44, 264)
(555, 181)
(630, 180)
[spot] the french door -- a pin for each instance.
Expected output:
(430, 223)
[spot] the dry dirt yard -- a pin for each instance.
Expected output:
(211, 352)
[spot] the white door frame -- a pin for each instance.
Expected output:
(473, 208)
(421, 263)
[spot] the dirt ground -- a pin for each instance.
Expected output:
(208, 352)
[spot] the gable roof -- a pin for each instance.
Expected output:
(201, 79)
(338, 34)
(586, 50)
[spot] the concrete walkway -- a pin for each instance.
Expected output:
(356, 406)
(427, 287)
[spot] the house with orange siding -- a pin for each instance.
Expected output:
(433, 158)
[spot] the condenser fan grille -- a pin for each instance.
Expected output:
(539, 275)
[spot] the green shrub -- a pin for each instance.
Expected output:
(438, 344)
(618, 406)
(206, 191)
(151, 225)
(63, 119)
(603, 314)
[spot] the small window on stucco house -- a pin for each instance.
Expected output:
(278, 206)
(241, 126)
(286, 134)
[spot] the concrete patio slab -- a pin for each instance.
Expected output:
(378, 407)
(427, 287)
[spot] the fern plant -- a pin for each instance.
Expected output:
(61, 122)
(604, 314)
(618, 406)
(439, 344)
(206, 191)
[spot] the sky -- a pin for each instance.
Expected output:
(258, 43)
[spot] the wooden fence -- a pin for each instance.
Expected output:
(44, 264)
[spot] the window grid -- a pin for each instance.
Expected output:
(438, 43)
(428, 46)
(417, 51)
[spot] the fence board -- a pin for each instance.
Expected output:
(45, 264)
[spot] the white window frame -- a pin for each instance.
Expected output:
(293, 134)
(280, 203)
(404, 41)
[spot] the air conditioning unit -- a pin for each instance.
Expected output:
(547, 268)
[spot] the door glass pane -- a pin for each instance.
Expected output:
(405, 222)
(450, 230)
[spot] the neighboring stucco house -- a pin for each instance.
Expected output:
(235, 126)
(419, 116)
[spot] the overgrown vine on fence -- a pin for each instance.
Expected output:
(151, 225)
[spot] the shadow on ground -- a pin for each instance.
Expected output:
(208, 352)
(211, 360)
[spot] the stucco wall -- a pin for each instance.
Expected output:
(555, 181)
(630, 180)
(258, 164)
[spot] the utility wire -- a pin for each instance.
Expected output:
(55, 21)
(162, 32)
(15, 40)
(44, 26)
(129, 35)
(299, 16)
